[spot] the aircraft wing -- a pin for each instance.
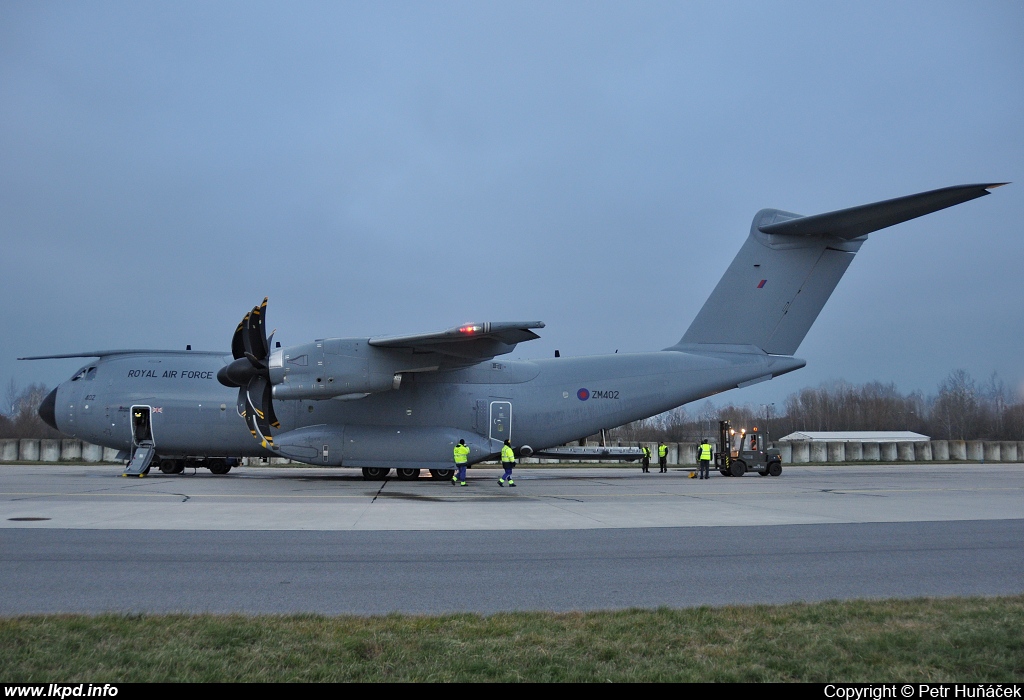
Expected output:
(472, 341)
(109, 353)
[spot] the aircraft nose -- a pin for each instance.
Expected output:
(48, 409)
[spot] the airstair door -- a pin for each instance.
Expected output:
(141, 460)
(143, 445)
(501, 421)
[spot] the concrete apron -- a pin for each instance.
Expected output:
(96, 497)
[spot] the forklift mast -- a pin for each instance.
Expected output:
(722, 457)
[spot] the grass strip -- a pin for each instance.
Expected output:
(952, 639)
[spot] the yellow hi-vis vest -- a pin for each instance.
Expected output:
(662, 450)
(507, 455)
(705, 452)
(461, 454)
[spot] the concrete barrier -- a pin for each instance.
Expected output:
(957, 450)
(8, 450)
(49, 450)
(70, 450)
(923, 451)
(992, 452)
(28, 450)
(1008, 452)
(975, 450)
(688, 453)
(801, 451)
(836, 451)
(679, 453)
(786, 451)
(819, 452)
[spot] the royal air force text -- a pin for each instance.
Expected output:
(171, 374)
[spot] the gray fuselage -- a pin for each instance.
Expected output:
(552, 401)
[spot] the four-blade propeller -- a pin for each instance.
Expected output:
(250, 372)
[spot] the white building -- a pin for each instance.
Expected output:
(857, 436)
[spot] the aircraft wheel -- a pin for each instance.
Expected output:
(169, 466)
(738, 468)
(217, 466)
(775, 468)
(408, 474)
(442, 473)
(375, 473)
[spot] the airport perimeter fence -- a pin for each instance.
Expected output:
(679, 453)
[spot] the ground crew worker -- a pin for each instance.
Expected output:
(704, 458)
(508, 460)
(647, 459)
(461, 454)
(663, 457)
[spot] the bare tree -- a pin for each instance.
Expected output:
(957, 405)
(24, 421)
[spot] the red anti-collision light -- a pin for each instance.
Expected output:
(470, 329)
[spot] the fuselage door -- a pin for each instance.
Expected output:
(142, 426)
(143, 447)
(501, 420)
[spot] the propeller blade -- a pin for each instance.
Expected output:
(268, 406)
(255, 362)
(237, 344)
(251, 349)
(257, 332)
(245, 412)
(241, 406)
(246, 336)
(257, 388)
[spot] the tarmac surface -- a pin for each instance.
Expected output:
(83, 539)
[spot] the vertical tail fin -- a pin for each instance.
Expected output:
(787, 268)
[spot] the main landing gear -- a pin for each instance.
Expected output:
(404, 474)
(177, 465)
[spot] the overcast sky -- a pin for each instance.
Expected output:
(389, 167)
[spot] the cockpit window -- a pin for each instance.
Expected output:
(87, 373)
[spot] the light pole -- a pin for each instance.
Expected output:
(768, 423)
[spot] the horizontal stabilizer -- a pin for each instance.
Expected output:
(858, 221)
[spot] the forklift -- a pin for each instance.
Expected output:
(741, 452)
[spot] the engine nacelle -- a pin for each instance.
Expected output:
(336, 368)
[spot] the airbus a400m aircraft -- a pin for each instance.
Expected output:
(403, 401)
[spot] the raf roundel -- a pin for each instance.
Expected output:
(583, 394)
